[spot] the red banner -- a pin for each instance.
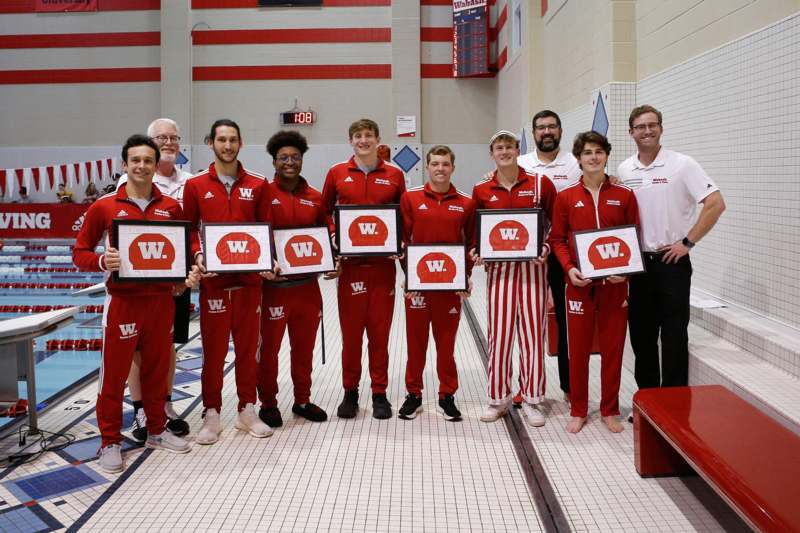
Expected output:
(60, 6)
(40, 221)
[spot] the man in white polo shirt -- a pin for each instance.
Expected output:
(563, 170)
(668, 187)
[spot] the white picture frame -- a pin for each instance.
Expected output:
(304, 250)
(609, 252)
(436, 267)
(509, 234)
(231, 247)
(368, 230)
(151, 251)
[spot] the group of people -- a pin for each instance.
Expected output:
(655, 189)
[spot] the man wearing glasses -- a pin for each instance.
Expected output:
(562, 168)
(170, 181)
(668, 187)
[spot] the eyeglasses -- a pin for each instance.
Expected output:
(649, 126)
(163, 139)
(544, 127)
(286, 158)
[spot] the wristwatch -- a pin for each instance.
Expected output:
(687, 243)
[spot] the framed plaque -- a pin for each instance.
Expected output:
(608, 252)
(237, 247)
(436, 267)
(303, 250)
(509, 234)
(368, 230)
(151, 251)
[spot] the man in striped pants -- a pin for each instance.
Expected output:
(517, 290)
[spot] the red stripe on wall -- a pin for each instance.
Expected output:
(501, 19)
(243, 4)
(27, 6)
(544, 8)
(502, 59)
(291, 72)
(436, 35)
(432, 70)
(81, 40)
(86, 75)
(313, 35)
(437, 2)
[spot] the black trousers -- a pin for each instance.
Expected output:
(659, 304)
(555, 277)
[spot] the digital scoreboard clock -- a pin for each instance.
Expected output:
(298, 118)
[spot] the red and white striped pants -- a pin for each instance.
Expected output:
(517, 298)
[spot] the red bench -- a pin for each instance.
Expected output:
(747, 457)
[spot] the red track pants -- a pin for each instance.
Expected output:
(441, 312)
(366, 303)
(609, 301)
(131, 323)
(224, 312)
(297, 308)
(517, 307)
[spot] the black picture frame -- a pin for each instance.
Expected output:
(627, 227)
(480, 226)
(116, 224)
(327, 243)
(233, 226)
(369, 209)
(435, 247)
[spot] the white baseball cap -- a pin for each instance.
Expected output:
(502, 133)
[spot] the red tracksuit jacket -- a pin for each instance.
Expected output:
(345, 184)
(98, 222)
(575, 210)
(431, 217)
(205, 199)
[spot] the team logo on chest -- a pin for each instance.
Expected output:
(245, 194)
(162, 213)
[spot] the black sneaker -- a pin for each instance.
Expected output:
(381, 408)
(175, 424)
(138, 428)
(349, 406)
(271, 416)
(411, 408)
(630, 419)
(310, 411)
(448, 409)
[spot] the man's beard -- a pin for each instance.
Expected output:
(548, 144)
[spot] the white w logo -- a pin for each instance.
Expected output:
(435, 266)
(151, 250)
(215, 305)
(127, 330)
(367, 228)
(418, 301)
(575, 306)
(358, 286)
(302, 249)
(246, 193)
(237, 247)
(276, 312)
(608, 250)
(508, 234)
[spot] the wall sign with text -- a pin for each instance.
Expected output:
(368, 230)
(436, 267)
(236, 247)
(151, 251)
(509, 234)
(303, 250)
(608, 252)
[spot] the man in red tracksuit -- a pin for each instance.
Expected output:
(138, 316)
(593, 203)
(517, 290)
(365, 286)
(435, 213)
(293, 302)
(229, 303)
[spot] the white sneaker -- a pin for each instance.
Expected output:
(209, 433)
(533, 414)
(169, 442)
(493, 413)
(110, 459)
(248, 421)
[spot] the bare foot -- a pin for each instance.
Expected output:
(576, 424)
(613, 424)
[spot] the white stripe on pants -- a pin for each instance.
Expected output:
(517, 296)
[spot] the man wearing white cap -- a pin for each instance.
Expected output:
(517, 289)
